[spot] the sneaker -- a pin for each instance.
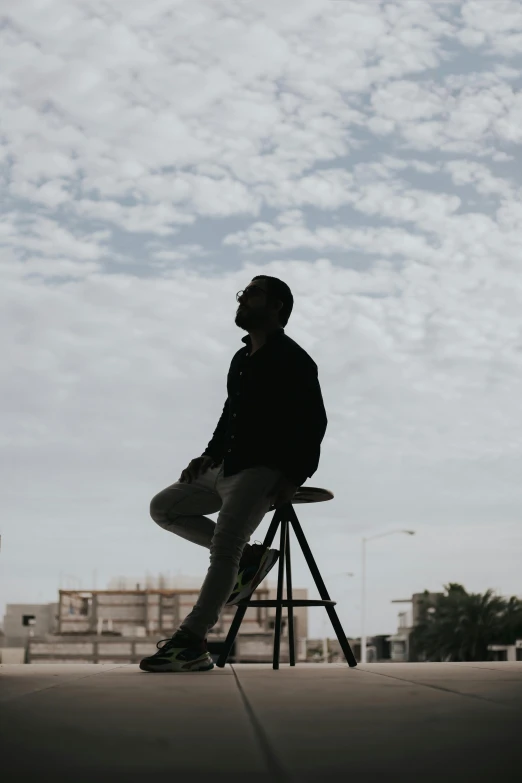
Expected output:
(255, 564)
(181, 653)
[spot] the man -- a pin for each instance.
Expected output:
(266, 444)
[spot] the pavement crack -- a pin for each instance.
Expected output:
(440, 688)
(276, 771)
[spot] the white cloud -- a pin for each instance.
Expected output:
(155, 219)
(497, 25)
(461, 114)
(48, 238)
(468, 172)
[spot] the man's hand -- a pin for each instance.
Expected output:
(283, 492)
(196, 467)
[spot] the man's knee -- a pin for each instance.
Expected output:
(157, 509)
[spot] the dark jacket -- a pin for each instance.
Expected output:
(274, 413)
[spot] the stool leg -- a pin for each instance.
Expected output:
(291, 643)
(231, 635)
(272, 530)
(323, 592)
(279, 608)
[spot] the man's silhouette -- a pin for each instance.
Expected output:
(266, 443)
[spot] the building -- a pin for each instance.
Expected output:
(111, 626)
(507, 652)
(23, 622)
(400, 641)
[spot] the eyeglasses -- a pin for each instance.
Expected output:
(252, 290)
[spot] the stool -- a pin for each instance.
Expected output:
(283, 516)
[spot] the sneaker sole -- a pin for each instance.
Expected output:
(182, 667)
(269, 563)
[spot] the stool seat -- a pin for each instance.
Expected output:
(286, 517)
(310, 495)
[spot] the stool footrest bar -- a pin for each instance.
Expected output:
(285, 602)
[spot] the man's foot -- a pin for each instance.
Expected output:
(255, 564)
(183, 652)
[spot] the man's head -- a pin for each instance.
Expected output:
(266, 303)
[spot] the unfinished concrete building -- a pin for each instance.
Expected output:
(106, 626)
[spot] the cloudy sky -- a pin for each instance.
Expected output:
(154, 158)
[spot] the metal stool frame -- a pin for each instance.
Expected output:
(284, 516)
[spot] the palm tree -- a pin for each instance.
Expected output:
(459, 626)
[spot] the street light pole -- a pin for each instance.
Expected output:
(363, 586)
(363, 603)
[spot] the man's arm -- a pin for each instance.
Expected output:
(216, 446)
(305, 423)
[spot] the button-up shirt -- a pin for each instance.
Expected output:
(274, 414)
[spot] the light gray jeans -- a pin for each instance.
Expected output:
(242, 501)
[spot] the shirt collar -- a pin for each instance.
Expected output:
(273, 335)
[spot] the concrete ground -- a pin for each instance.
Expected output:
(421, 722)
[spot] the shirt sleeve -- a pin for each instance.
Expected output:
(305, 423)
(216, 445)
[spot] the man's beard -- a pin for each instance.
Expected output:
(249, 319)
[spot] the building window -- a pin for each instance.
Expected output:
(84, 608)
(28, 619)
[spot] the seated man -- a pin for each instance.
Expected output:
(266, 444)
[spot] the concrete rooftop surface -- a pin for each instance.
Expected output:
(422, 722)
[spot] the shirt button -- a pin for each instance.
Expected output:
(234, 415)
(232, 436)
(241, 373)
(230, 450)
